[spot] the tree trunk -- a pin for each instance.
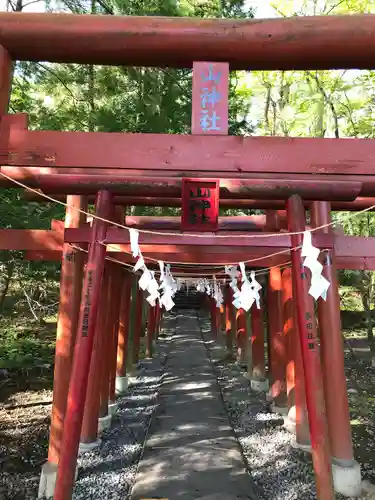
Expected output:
(366, 285)
(5, 281)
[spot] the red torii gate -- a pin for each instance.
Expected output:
(152, 201)
(352, 252)
(264, 168)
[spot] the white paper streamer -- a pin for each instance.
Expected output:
(319, 285)
(161, 267)
(233, 272)
(218, 294)
(169, 287)
(147, 281)
(140, 264)
(134, 235)
(200, 286)
(256, 287)
(245, 297)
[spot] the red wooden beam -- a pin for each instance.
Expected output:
(348, 247)
(153, 201)
(261, 186)
(186, 155)
(226, 223)
(121, 236)
(31, 239)
(355, 263)
(284, 44)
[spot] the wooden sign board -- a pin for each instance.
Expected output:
(200, 205)
(210, 98)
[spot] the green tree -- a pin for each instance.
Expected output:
(102, 98)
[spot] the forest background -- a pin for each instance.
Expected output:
(116, 99)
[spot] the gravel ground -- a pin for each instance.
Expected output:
(279, 471)
(108, 472)
(361, 388)
(24, 423)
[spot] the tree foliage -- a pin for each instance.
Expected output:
(116, 99)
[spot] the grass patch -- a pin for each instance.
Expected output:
(350, 299)
(25, 343)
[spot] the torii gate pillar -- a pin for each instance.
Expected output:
(83, 349)
(345, 470)
(70, 297)
(297, 419)
(277, 342)
(310, 356)
(123, 337)
(257, 375)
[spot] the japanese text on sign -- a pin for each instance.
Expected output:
(86, 309)
(311, 340)
(200, 206)
(210, 98)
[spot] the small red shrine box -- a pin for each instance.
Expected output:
(200, 205)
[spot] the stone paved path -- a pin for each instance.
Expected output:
(191, 452)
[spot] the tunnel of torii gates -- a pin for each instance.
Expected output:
(287, 177)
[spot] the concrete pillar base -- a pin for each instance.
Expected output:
(302, 447)
(122, 384)
(132, 379)
(281, 410)
(104, 423)
(261, 385)
(47, 481)
(269, 396)
(368, 489)
(241, 364)
(86, 447)
(346, 477)
(112, 408)
(290, 424)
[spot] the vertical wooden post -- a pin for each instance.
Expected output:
(133, 301)
(256, 372)
(89, 431)
(123, 335)
(158, 321)
(119, 272)
(115, 332)
(222, 317)
(213, 316)
(311, 357)
(6, 75)
(111, 320)
(82, 352)
(138, 323)
(277, 341)
(257, 333)
(217, 320)
(229, 321)
(241, 335)
(297, 420)
(70, 296)
(151, 325)
(332, 357)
